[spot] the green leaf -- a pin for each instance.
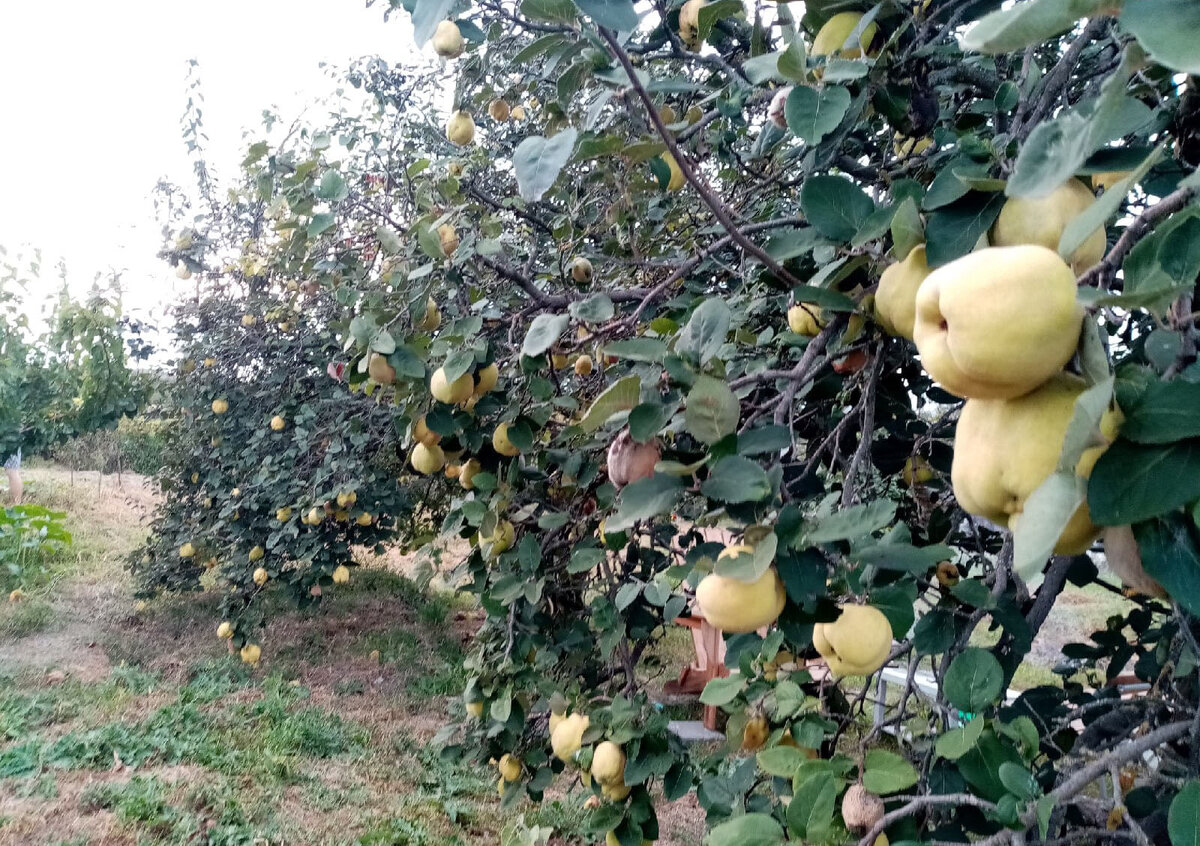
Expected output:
(596, 308)
(1167, 29)
(712, 410)
(907, 229)
(585, 559)
(903, 556)
(644, 499)
(826, 299)
(764, 68)
(813, 113)
(722, 691)
(781, 761)
(638, 349)
(835, 206)
(934, 633)
(614, 14)
(897, 602)
(623, 395)
(810, 813)
(332, 186)
(538, 161)
(320, 223)
(981, 766)
(789, 243)
(543, 332)
(1025, 24)
(764, 440)
(458, 363)
(555, 11)
(853, 522)
(712, 12)
(1133, 482)
(647, 419)
(792, 62)
(1165, 413)
(1098, 213)
(748, 830)
(1170, 555)
(952, 231)
(959, 741)
(1046, 513)
(749, 567)
(974, 680)
(736, 479)
(388, 239)
(705, 332)
(1018, 780)
(886, 772)
(426, 15)
(1183, 818)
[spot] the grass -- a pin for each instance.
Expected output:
(154, 735)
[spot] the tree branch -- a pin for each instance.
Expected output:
(1134, 233)
(710, 199)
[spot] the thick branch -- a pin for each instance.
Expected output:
(918, 803)
(1134, 233)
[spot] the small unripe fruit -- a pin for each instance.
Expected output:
(468, 472)
(187, 551)
(257, 553)
(583, 365)
(278, 424)
(448, 236)
(250, 653)
(341, 574)
(220, 406)
(260, 577)
(225, 630)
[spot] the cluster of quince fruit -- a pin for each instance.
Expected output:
(997, 327)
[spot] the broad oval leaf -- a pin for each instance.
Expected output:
(712, 410)
(538, 161)
(543, 332)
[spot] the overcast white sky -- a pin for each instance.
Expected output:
(91, 95)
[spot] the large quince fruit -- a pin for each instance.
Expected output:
(451, 393)
(833, 35)
(896, 297)
(567, 736)
(460, 129)
(735, 606)
(468, 472)
(857, 643)
(997, 323)
(608, 764)
(427, 459)
(1005, 449)
(379, 369)
(1041, 220)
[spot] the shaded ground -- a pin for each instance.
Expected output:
(121, 725)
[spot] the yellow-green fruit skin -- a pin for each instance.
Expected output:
(833, 35)
(502, 444)
(805, 320)
(1005, 449)
(451, 393)
(567, 737)
(857, 643)
(677, 180)
(1041, 220)
(608, 763)
(999, 322)
(740, 607)
(896, 296)
(486, 379)
(427, 459)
